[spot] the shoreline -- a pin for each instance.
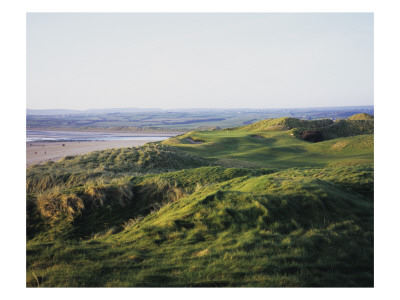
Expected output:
(39, 152)
(110, 131)
(106, 133)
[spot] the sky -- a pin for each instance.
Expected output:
(199, 60)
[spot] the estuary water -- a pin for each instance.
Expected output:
(88, 136)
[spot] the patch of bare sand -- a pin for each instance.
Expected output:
(192, 141)
(40, 152)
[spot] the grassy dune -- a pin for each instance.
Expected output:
(362, 116)
(236, 207)
(274, 149)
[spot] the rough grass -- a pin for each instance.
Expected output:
(344, 128)
(299, 227)
(289, 213)
(362, 116)
(109, 164)
(286, 124)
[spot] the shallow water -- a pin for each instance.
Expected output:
(80, 136)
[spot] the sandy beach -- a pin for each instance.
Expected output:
(40, 152)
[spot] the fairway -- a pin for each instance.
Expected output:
(274, 149)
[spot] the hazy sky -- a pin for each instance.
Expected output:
(81, 61)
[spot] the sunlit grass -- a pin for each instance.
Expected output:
(285, 213)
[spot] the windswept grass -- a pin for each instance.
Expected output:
(362, 116)
(286, 124)
(286, 212)
(109, 164)
(292, 228)
(344, 128)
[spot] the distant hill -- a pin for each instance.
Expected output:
(183, 119)
(310, 112)
(50, 112)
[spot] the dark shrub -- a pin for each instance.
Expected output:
(312, 136)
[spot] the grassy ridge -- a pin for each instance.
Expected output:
(108, 164)
(239, 228)
(344, 128)
(286, 124)
(361, 116)
(285, 212)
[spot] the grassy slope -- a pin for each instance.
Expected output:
(108, 164)
(362, 116)
(300, 214)
(273, 149)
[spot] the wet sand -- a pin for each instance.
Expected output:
(40, 152)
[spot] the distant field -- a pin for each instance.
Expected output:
(181, 120)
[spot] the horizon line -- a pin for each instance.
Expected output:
(232, 108)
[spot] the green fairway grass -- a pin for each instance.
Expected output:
(274, 149)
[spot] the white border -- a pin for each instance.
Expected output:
(12, 58)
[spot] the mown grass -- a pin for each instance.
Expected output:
(274, 149)
(290, 213)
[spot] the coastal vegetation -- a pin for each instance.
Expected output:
(244, 206)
